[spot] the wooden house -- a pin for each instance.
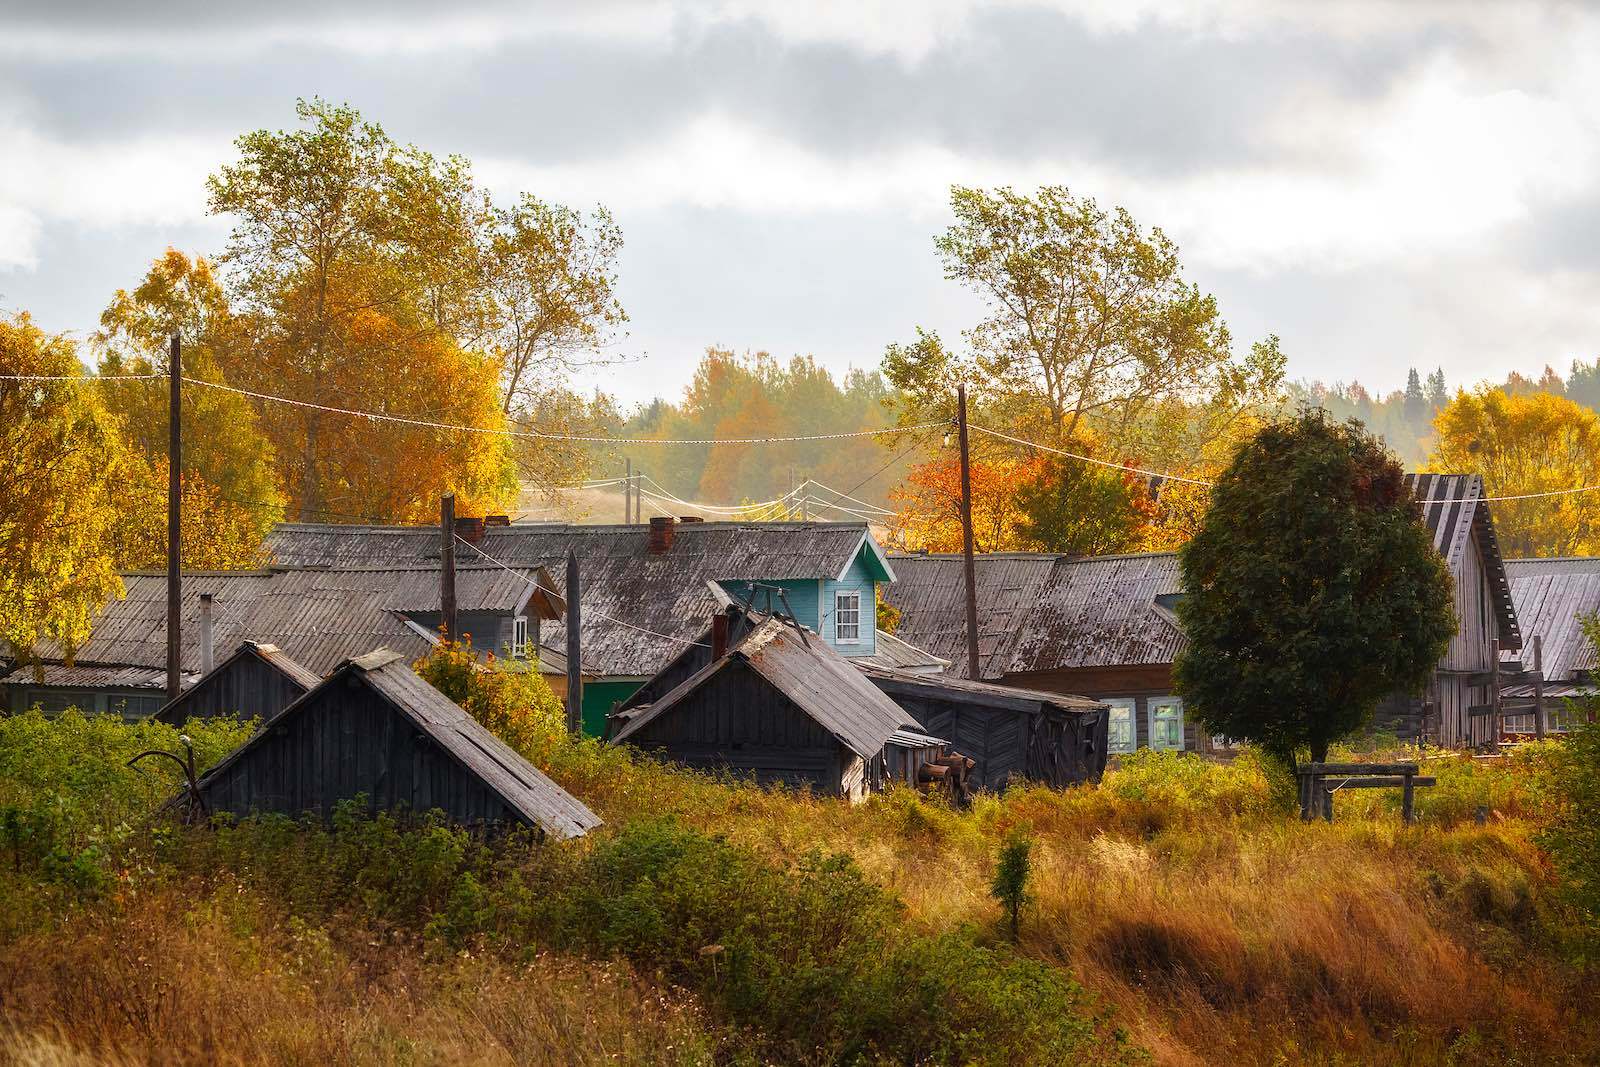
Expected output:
(782, 706)
(318, 616)
(648, 590)
(256, 681)
(1553, 597)
(1012, 735)
(373, 728)
(1105, 627)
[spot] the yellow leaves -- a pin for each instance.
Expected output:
(59, 457)
(1530, 443)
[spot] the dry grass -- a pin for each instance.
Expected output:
(230, 981)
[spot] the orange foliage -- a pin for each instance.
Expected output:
(929, 504)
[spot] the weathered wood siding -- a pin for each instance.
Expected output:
(343, 743)
(738, 722)
(248, 688)
(1476, 626)
(1143, 684)
(1010, 745)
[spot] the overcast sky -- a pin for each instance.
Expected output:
(1382, 185)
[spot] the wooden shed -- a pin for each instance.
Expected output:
(1012, 735)
(257, 681)
(374, 728)
(783, 707)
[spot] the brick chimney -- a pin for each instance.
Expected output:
(661, 527)
(469, 529)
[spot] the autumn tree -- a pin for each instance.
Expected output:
(230, 485)
(1090, 318)
(1081, 509)
(1529, 443)
(61, 466)
(354, 266)
(929, 505)
(1311, 591)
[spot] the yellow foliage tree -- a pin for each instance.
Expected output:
(60, 464)
(1532, 443)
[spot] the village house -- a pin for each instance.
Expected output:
(780, 705)
(374, 729)
(1553, 598)
(317, 616)
(648, 590)
(1105, 627)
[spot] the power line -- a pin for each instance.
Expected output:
(1089, 459)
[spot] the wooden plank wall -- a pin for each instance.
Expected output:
(249, 688)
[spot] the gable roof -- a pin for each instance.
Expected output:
(1455, 511)
(1553, 596)
(664, 596)
(270, 655)
(318, 616)
(519, 784)
(820, 682)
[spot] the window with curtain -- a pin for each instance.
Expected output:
(847, 617)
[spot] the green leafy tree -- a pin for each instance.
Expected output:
(61, 467)
(1010, 883)
(1080, 509)
(1312, 589)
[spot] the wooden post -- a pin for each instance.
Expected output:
(627, 496)
(1538, 686)
(574, 647)
(1498, 719)
(447, 567)
(966, 535)
(1327, 802)
(175, 519)
(1408, 795)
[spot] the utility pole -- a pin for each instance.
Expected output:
(966, 535)
(574, 647)
(175, 518)
(627, 496)
(447, 566)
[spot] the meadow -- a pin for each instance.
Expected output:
(1178, 914)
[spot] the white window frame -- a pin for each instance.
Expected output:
(1130, 706)
(1153, 703)
(519, 636)
(839, 609)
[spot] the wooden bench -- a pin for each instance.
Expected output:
(1320, 781)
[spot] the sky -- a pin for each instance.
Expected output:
(1382, 185)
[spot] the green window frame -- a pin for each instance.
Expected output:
(1120, 733)
(1166, 723)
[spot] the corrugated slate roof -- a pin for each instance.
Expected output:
(1101, 611)
(890, 652)
(930, 593)
(819, 681)
(320, 617)
(92, 676)
(981, 693)
(518, 783)
(1553, 597)
(665, 593)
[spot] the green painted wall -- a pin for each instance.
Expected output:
(597, 700)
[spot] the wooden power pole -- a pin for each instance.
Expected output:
(175, 519)
(966, 535)
(447, 567)
(573, 594)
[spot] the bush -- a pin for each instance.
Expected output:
(511, 700)
(1573, 835)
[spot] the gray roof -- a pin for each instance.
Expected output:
(517, 782)
(90, 676)
(819, 681)
(1553, 597)
(929, 591)
(986, 694)
(891, 652)
(320, 617)
(1043, 612)
(621, 579)
(1454, 511)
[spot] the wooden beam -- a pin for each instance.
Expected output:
(1360, 768)
(970, 575)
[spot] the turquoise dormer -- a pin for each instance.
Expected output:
(843, 609)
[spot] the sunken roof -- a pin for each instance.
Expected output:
(820, 682)
(319, 617)
(521, 786)
(1553, 596)
(664, 597)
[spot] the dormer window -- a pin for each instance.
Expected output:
(847, 617)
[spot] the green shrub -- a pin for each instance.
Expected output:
(1573, 835)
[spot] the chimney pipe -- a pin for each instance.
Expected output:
(719, 635)
(208, 649)
(660, 534)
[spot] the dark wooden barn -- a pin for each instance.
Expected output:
(783, 707)
(1012, 735)
(257, 681)
(374, 728)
